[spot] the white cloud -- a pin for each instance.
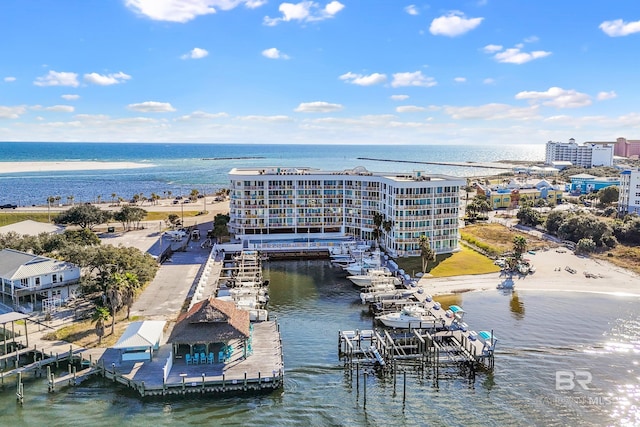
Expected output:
(201, 115)
(619, 28)
(531, 39)
(91, 117)
(70, 97)
(460, 79)
(267, 119)
(364, 80)
(492, 111)
(274, 53)
(409, 109)
(412, 10)
(152, 107)
(106, 79)
(492, 48)
(557, 97)
(318, 107)
(60, 108)
(9, 79)
(399, 97)
(12, 112)
(54, 78)
(489, 81)
(195, 53)
(412, 79)
(516, 56)
(607, 95)
(453, 24)
(305, 11)
(185, 10)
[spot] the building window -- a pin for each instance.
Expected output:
(54, 278)
(24, 282)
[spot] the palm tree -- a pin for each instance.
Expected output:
(70, 200)
(113, 198)
(387, 226)
(426, 252)
(377, 224)
(114, 295)
(519, 246)
(50, 200)
(100, 316)
(131, 286)
(194, 194)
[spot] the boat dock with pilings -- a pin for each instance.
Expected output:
(438, 354)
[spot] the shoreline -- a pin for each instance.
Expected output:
(64, 166)
(550, 276)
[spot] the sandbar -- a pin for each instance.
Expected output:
(591, 275)
(63, 166)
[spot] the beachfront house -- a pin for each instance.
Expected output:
(36, 283)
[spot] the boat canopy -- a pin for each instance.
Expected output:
(456, 309)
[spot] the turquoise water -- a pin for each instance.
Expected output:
(539, 333)
(179, 168)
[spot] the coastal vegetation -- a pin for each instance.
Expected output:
(465, 261)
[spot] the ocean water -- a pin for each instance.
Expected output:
(179, 168)
(540, 334)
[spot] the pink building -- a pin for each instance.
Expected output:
(626, 148)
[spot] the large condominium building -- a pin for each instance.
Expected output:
(587, 155)
(626, 147)
(277, 203)
(629, 198)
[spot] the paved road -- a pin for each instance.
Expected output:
(164, 297)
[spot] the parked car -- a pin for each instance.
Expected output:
(8, 206)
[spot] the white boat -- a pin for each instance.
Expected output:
(411, 316)
(368, 297)
(364, 280)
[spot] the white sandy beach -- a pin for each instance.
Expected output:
(550, 275)
(18, 167)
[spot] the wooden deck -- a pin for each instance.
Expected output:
(263, 369)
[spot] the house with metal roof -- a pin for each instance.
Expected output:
(36, 283)
(29, 227)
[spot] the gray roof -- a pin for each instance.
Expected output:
(31, 228)
(17, 265)
(141, 334)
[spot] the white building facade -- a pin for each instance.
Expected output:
(629, 198)
(587, 155)
(31, 282)
(303, 203)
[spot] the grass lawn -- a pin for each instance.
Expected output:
(467, 261)
(7, 218)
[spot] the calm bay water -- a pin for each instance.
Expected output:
(539, 334)
(179, 168)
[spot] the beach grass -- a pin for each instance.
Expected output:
(8, 218)
(627, 257)
(496, 239)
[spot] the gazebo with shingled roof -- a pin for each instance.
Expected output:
(208, 325)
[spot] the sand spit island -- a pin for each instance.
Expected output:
(20, 167)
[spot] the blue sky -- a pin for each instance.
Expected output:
(337, 72)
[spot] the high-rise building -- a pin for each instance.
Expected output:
(587, 155)
(629, 198)
(626, 147)
(303, 203)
